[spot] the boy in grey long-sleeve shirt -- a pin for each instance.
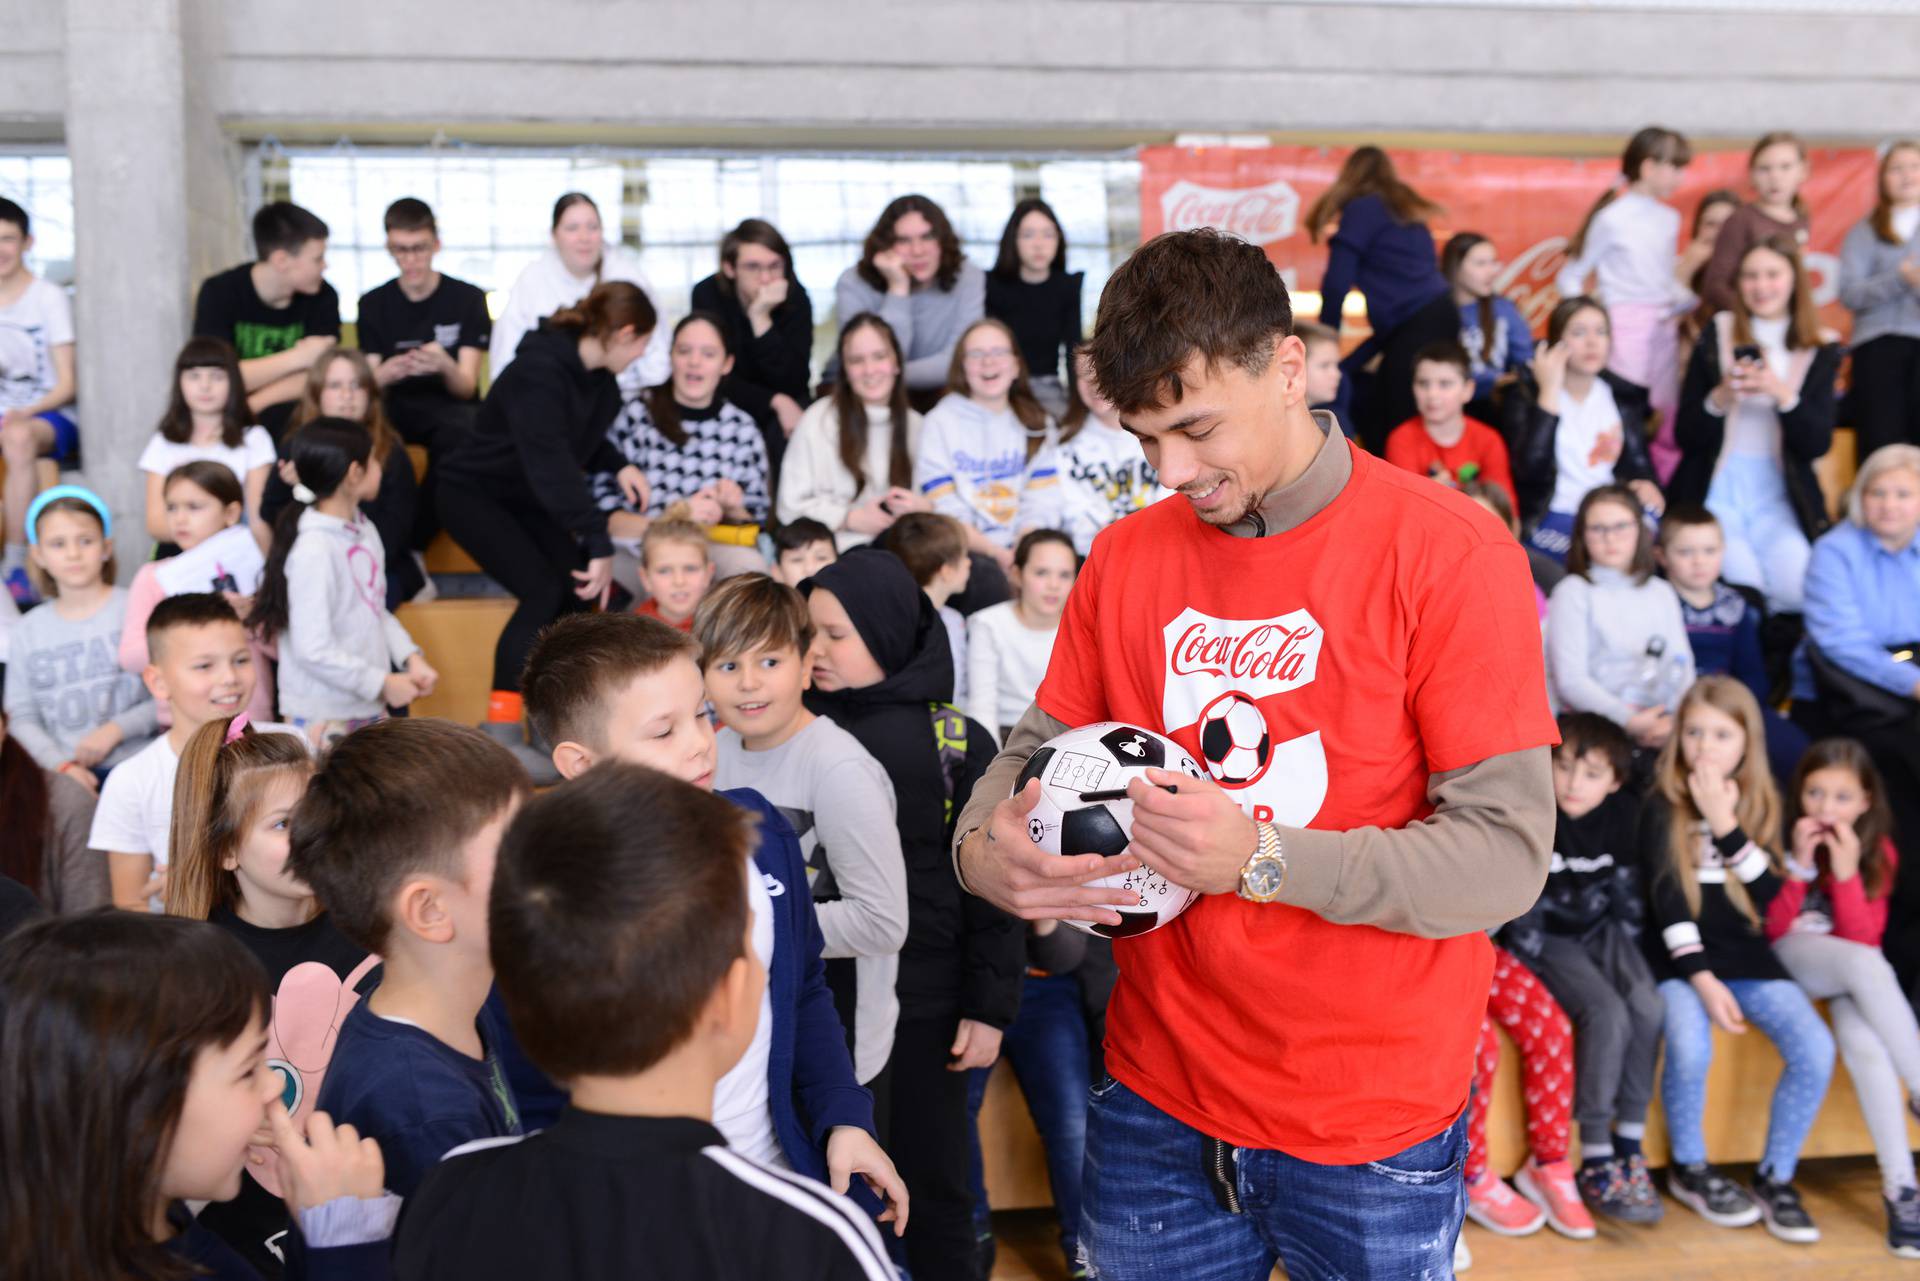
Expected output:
(841, 804)
(928, 321)
(64, 680)
(755, 637)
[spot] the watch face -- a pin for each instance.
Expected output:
(1262, 877)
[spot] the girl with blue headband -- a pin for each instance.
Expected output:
(68, 701)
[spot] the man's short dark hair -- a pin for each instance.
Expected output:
(396, 799)
(1583, 732)
(1182, 295)
(409, 214)
(1445, 352)
(792, 535)
(189, 609)
(13, 213)
(619, 903)
(284, 225)
(748, 613)
(580, 661)
(926, 543)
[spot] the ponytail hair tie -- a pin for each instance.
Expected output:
(235, 728)
(304, 496)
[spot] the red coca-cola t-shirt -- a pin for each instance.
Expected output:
(1389, 638)
(1409, 446)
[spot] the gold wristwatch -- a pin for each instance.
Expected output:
(1266, 870)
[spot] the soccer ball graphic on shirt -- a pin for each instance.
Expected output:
(1235, 740)
(1083, 809)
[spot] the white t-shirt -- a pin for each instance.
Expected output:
(255, 450)
(741, 1109)
(135, 813)
(136, 803)
(1753, 428)
(1006, 661)
(956, 641)
(1586, 445)
(39, 320)
(1905, 222)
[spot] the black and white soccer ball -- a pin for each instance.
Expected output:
(1235, 740)
(1083, 809)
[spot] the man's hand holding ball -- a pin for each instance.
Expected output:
(1001, 864)
(1190, 831)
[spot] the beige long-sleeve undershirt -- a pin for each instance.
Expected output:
(1479, 860)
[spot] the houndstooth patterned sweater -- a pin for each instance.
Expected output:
(723, 443)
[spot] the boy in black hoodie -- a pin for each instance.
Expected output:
(883, 672)
(1582, 940)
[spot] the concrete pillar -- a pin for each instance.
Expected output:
(156, 206)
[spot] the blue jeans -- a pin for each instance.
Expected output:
(1047, 1049)
(1150, 1209)
(1784, 1014)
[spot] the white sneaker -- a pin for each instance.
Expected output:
(1462, 1257)
(430, 591)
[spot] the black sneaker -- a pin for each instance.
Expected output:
(1711, 1195)
(1786, 1217)
(1605, 1190)
(1903, 1223)
(1640, 1185)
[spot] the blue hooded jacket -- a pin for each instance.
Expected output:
(810, 1083)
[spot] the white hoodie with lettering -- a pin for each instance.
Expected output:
(973, 465)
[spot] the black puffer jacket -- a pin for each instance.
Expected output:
(1530, 432)
(1806, 432)
(963, 958)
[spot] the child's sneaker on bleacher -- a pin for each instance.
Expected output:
(1712, 1195)
(20, 587)
(514, 736)
(1786, 1217)
(1603, 1186)
(1497, 1208)
(1551, 1187)
(1462, 1257)
(1903, 1223)
(1640, 1187)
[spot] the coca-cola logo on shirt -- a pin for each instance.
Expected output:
(1260, 215)
(1252, 658)
(1257, 657)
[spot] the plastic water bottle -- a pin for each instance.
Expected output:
(1648, 677)
(1673, 681)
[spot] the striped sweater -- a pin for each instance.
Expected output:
(1719, 939)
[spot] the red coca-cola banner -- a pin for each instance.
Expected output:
(1529, 206)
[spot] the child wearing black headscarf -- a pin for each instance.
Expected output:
(886, 677)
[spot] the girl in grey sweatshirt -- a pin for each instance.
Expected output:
(68, 701)
(323, 596)
(1616, 642)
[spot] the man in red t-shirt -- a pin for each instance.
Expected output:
(1292, 1056)
(1442, 443)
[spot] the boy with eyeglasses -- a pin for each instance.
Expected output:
(424, 333)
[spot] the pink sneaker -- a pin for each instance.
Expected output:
(1552, 1189)
(1495, 1207)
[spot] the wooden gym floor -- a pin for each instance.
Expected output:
(1842, 1194)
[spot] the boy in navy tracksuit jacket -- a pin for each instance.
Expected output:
(624, 687)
